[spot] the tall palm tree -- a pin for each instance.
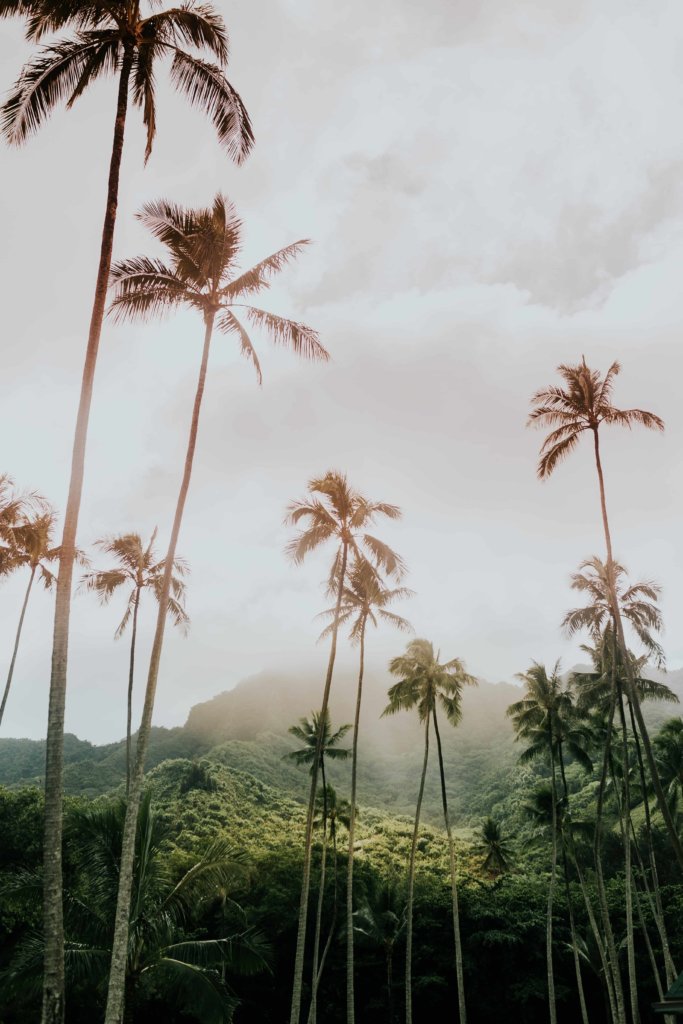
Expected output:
(546, 719)
(334, 512)
(604, 689)
(426, 684)
(333, 811)
(108, 38)
(312, 753)
(15, 509)
(203, 248)
(32, 548)
(585, 404)
(365, 599)
(138, 569)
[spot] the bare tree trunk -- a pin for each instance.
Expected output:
(53, 922)
(333, 922)
(16, 643)
(411, 884)
(306, 881)
(631, 689)
(350, 1003)
(459, 974)
(117, 974)
(131, 674)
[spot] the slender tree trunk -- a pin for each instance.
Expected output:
(16, 642)
(459, 973)
(660, 921)
(117, 974)
(648, 945)
(335, 907)
(390, 983)
(411, 883)
(613, 958)
(131, 674)
(306, 881)
(568, 846)
(624, 818)
(631, 689)
(350, 1003)
(572, 932)
(53, 923)
(552, 1005)
(312, 1016)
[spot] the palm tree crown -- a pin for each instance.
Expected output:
(365, 599)
(424, 682)
(637, 604)
(316, 732)
(106, 36)
(203, 248)
(583, 404)
(139, 569)
(335, 511)
(547, 717)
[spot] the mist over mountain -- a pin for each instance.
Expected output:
(246, 729)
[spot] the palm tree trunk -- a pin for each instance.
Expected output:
(670, 968)
(390, 983)
(552, 1005)
(631, 689)
(312, 1015)
(53, 923)
(411, 883)
(16, 643)
(333, 922)
(613, 958)
(306, 881)
(572, 932)
(624, 819)
(350, 1003)
(131, 673)
(459, 974)
(117, 974)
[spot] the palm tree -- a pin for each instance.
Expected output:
(602, 692)
(137, 569)
(111, 37)
(32, 548)
(15, 509)
(381, 920)
(333, 811)
(312, 753)
(203, 247)
(546, 718)
(496, 848)
(162, 959)
(425, 683)
(333, 512)
(585, 404)
(365, 599)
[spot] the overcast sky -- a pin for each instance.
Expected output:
(492, 188)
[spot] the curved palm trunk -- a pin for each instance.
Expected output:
(631, 688)
(313, 1011)
(333, 922)
(53, 923)
(462, 1011)
(411, 883)
(16, 643)
(306, 881)
(350, 1003)
(552, 1005)
(131, 673)
(117, 974)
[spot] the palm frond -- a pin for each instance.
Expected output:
(302, 340)
(258, 277)
(206, 87)
(229, 323)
